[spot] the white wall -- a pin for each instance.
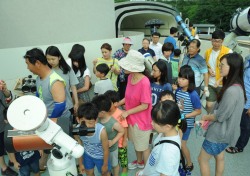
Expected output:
(42, 22)
(12, 63)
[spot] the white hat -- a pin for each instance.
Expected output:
(127, 40)
(133, 62)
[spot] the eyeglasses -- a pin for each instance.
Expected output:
(217, 40)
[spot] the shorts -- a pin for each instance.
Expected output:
(31, 167)
(139, 138)
(186, 134)
(123, 157)
(213, 92)
(113, 156)
(2, 147)
(90, 162)
(213, 148)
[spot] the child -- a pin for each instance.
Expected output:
(167, 49)
(114, 130)
(189, 103)
(58, 64)
(96, 147)
(122, 144)
(159, 82)
(111, 62)
(78, 63)
(167, 95)
(175, 64)
(27, 162)
(104, 84)
(165, 157)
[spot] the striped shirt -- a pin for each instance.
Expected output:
(93, 144)
(188, 102)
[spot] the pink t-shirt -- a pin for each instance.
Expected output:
(134, 96)
(122, 122)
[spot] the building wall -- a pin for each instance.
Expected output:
(41, 22)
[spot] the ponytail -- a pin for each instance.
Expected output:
(182, 124)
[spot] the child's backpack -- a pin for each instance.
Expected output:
(182, 167)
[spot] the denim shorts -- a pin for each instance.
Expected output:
(186, 134)
(213, 148)
(31, 167)
(90, 162)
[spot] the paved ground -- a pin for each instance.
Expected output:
(235, 164)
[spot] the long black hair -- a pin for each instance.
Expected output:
(54, 51)
(187, 73)
(167, 112)
(164, 72)
(77, 55)
(235, 74)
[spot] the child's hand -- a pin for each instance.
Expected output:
(41, 152)
(95, 61)
(17, 165)
(81, 168)
(211, 72)
(174, 86)
(110, 143)
(104, 170)
(112, 68)
(124, 143)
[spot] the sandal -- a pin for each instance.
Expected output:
(233, 150)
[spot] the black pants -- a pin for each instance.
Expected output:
(244, 130)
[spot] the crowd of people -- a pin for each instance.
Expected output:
(129, 102)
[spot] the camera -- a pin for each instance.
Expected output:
(29, 85)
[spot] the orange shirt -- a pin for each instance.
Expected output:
(123, 122)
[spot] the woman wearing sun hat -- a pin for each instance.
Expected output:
(138, 105)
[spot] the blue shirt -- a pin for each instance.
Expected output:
(150, 51)
(156, 90)
(188, 102)
(27, 157)
(198, 65)
(247, 86)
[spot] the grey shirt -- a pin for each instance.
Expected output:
(70, 80)
(226, 129)
(103, 86)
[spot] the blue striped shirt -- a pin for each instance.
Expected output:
(188, 102)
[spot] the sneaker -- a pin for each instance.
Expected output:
(9, 172)
(132, 165)
(140, 165)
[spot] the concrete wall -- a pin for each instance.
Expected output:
(42, 22)
(13, 65)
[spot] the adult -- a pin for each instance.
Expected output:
(198, 64)
(50, 86)
(245, 117)
(212, 57)
(192, 29)
(119, 54)
(156, 45)
(145, 48)
(4, 94)
(138, 106)
(78, 63)
(224, 128)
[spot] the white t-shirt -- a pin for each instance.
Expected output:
(157, 49)
(78, 74)
(212, 63)
(164, 158)
(103, 86)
